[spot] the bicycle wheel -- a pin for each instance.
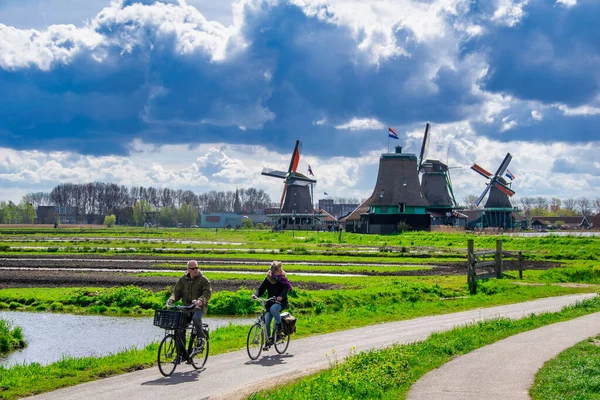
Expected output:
(282, 343)
(199, 353)
(167, 355)
(256, 341)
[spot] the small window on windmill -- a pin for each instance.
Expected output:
(404, 183)
(383, 209)
(401, 207)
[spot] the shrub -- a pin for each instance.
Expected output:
(110, 220)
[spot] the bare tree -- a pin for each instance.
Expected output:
(583, 205)
(555, 204)
(470, 200)
(569, 204)
(597, 205)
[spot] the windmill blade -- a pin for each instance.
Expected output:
(487, 188)
(273, 173)
(282, 197)
(296, 176)
(504, 165)
(504, 189)
(295, 157)
(424, 146)
(481, 171)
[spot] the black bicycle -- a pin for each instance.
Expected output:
(257, 336)
(174, 320)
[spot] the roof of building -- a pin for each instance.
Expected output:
(571, 220)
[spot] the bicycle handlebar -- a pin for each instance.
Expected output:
(264, 302)
(185, 308)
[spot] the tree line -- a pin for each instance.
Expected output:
(137, 204)
(550, 207)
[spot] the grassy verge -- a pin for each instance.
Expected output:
(389, 373)
(573, 374)
(342, 313)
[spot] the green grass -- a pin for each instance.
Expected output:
(389, 373)
(10, 338)
(573, 374)
(339, 313)
(286, 244)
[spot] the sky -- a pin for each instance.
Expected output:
(202, 95)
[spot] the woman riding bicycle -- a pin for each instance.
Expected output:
(277, 285)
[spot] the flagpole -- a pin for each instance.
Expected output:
(388, 142)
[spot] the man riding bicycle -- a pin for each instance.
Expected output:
(192, 288)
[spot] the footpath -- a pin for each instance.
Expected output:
(504, 370)
(234, 375)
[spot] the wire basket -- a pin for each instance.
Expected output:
(169, 319)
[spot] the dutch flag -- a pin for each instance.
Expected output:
(509, 175)
(392, 133)
(310, 170)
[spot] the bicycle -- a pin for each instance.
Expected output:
(172, 320)
(257, 335)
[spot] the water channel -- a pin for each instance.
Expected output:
(50, 337)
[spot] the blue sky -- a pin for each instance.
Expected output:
(201, 95)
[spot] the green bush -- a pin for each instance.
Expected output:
(228, 303)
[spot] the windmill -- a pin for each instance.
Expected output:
(435, 181)
(397, 199)
(296, 198)
(497, 209)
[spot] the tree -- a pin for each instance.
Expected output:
(167, 216)
(555, 205)
(28, 214)
(187, 214)
(139, 211)
(247, 223)
(584, 206)
(110, 220)
(470, 200)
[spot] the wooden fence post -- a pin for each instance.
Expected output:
(520, 265)
(498, 259)
(472, 282)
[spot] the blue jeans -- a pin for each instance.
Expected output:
(272, 313)
(197, 319)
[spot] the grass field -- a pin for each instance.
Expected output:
(335, 307)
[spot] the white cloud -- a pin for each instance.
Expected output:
(356, 124)
(509, 12)
(582, 110)
(567, 3)
(536, 115)
(507, 124)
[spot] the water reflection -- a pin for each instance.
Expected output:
(49, 336)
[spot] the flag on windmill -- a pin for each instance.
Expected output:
(392, 133)
(509, 175)
(310, 170)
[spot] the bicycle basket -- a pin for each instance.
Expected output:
(169, 319)
(289, 323)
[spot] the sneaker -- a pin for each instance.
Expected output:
(268, 344)
(200, 346)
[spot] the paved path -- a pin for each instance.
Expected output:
(504, 370)
(233, 375)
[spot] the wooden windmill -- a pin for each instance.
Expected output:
(296, 206)
(435, 179)
(497, 211)
(397, 198)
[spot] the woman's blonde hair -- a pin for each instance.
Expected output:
(276, 266)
